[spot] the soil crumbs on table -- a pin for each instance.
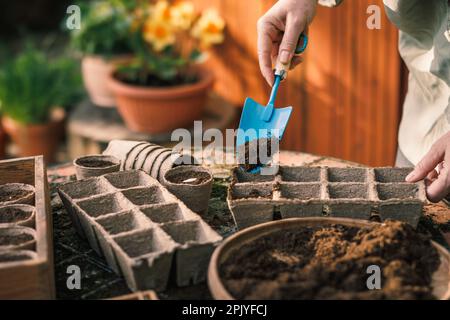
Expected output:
(190, 178)
(11, 195)
(95, 163)
(331, 263)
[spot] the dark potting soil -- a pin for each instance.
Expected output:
(11, 195)
(258, 194)
(95, 163)
(150, 80)
(7, 240)
(187, 178)
(251, 147)
(331, 263)
(10, 215)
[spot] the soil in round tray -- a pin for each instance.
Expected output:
(8, 240)
(95, 163)
(331, 263)
(194, 178)
(11, 195)
(9, 215)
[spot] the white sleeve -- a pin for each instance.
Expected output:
(329, 3)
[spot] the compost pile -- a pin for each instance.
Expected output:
(331, 263)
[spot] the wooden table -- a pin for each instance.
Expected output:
(98, 281)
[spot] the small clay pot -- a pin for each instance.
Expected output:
(95, 71)
(37, 139)
(95, 166)
(17, 238)
(16, 193)
(17, 214)
(2, 142)
(192, 185)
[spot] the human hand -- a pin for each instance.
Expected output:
(278, 33)
(435, 169)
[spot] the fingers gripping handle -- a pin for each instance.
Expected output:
(282, 69)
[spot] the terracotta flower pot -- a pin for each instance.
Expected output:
(37, 139)
(158, 110)
(2, 142)
(95, 71)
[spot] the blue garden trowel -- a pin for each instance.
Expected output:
(258, 121)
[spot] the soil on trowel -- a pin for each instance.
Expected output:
(331, 263)
(9, 215)
(8, 240)
(11, 195)
(95, 163)
(253, 147)
(194, 178)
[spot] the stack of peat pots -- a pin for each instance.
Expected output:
(151, 158)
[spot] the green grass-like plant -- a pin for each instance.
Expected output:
(32, 84)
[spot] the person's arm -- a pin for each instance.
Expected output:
(438, 181)
(279, 30)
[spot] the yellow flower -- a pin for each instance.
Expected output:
(209, 28)
(158, 33)
(162, 11)
(183, 14)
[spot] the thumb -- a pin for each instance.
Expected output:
(294, 28)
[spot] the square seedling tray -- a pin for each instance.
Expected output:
(359, 193)
(139, 227)
(26, 268)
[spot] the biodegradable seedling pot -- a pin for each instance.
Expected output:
(140, 160)
(16, 193)
(158, 163)
(122, 215)
(162, 109)
(149, 162)
(17, 214)
(192, 185)
(196, 245)
(133, 155)
(120, 149)
(95, 165)
(37, 139)
(296, 192)
(17, 238)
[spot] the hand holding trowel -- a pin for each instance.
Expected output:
(260, 122)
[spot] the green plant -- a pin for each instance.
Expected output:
(168, 38)
(105, 27)
(32, 84)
